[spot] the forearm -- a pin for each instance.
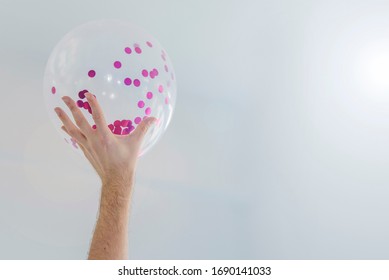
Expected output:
(110, 239)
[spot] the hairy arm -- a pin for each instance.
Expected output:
(114, 159)
(110, 238)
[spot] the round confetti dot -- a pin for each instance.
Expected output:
(131, 128)
(53, 90)
(126, 131)
(163, 57)
(117, 64)
(138, 50)
(155, 72)
(136, 83)
(92, 73)
(152, 74)
(127, 81)
(94, 126)
(80, 103)
(166, 68)
(160, 88)
(149, 44)
(111, 127)
(86, 105)
(149, 95)
(145, 73)
(127, 50)
(148, 111)
(124, 122)
(137, 120)
(117, 130)
(81, 94)
(141, 104)
(166, 100)
(117, 123)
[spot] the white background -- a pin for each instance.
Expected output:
(278, 147)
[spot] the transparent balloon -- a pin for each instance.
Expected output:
(128, 71)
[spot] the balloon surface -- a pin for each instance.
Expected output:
(127, 70)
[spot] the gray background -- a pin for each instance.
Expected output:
(278, 148)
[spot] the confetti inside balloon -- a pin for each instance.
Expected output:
(127, 70)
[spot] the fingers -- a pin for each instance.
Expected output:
(143, 127)
(78, 116)
(98, 114)
(70, 127)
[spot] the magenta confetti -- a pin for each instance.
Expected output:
(117, 130)
(138, 50)
(149, 44)
(80, 103)
(137, 120)
(127, 50)
(116, 123)
(136, 83)
(117, 64)
(145, 73)
(53, 90)
(149, 95)
(81, 94)
(166, 68)
(148, 111)
(92, 73)
(94, 126)
(160, 88)
(124, 122)
(141, 104)
(127, 81)
(111, 127)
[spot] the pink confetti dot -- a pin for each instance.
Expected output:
(117, 130)
(117, 123)
(110, 126)
(141, 104)
(53, 90)
(152, 74)
(92, 73)
(166, 100)
(127, 81)
(81, 94)
(149, 95)
(156, 71)
(80, 103)
(124, 122)
(94, 126)
(136, 83)
(166, 68)
(137, 120)
(117, 64)
(163, 57)
(148, 111)
(149, 44)
(145, 73)
(125, 131)
(160, 88)
(86, 105)
(131, 128)
(127, 50)
(138, 50)
(90, 110)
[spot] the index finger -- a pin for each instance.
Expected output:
(98, 114)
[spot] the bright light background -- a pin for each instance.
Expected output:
(278, 148)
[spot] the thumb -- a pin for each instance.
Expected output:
(142, 128)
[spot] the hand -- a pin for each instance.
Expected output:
(113, 156)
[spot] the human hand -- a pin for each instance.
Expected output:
(114, 157)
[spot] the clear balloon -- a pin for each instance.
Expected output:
(128, 71)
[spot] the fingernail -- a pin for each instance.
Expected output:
(65, 99)
(57, 110)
